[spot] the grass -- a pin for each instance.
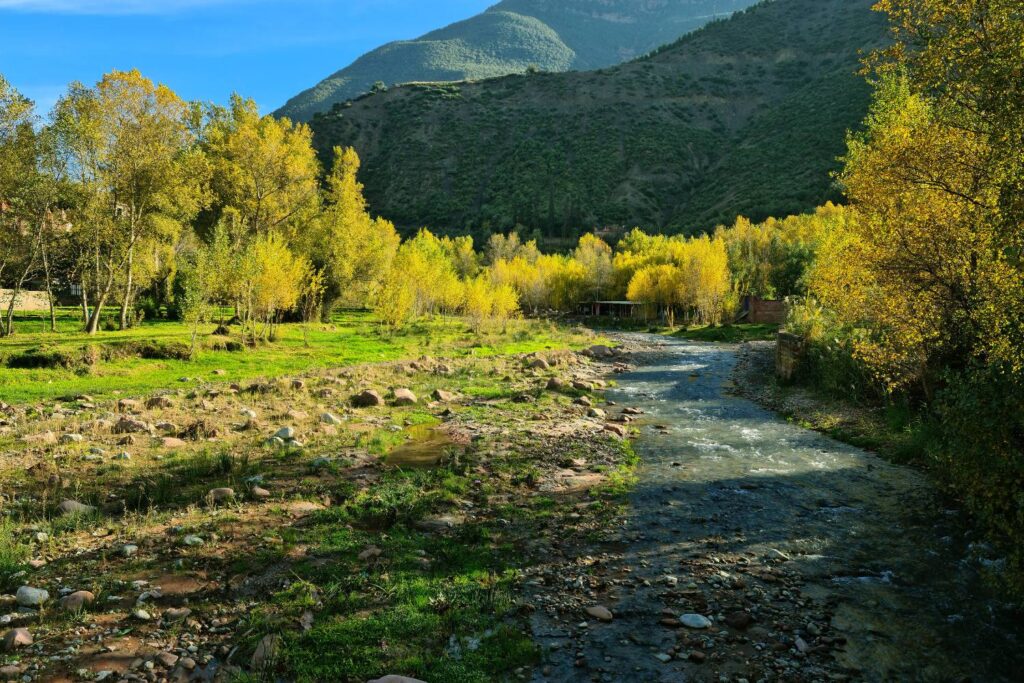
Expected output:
(729, 334)
(352, 338)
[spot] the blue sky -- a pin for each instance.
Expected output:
(205, 49)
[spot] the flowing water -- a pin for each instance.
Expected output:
(833, 547)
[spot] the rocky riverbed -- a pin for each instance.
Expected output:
(753, 549)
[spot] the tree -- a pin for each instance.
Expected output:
(264, 170)
(132, 145)
(273, 281)
(595, 256)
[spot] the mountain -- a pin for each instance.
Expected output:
(745, 116)
(515, 36)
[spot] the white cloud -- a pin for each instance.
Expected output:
(106, 7)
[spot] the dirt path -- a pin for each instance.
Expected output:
(811, 559)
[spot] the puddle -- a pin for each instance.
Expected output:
(426, 447)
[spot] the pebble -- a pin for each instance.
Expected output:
(600, 613)
(27, 596)
(695, 621)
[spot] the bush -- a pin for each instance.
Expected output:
(43, 358)
(13, 554)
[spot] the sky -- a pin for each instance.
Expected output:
(268, 50)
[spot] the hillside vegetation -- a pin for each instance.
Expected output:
(514, 36)
(746, 116)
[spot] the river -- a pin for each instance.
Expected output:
(847, 567)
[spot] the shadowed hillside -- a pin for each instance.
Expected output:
(515, 36)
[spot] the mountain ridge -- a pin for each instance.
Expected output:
(746, 115)
(515, 36)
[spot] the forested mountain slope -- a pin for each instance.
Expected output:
(514, 36)
(744, 116)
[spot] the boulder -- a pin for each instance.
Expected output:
(367, 399)
(127, 405)
(596, 412)
(695, 621)
(600, 613)
(128, 425)
(556, 384)
(159, 403)
(221, 495)
(539, 364)
(73, 507)
(330, 419)
(599, 351)
(443, 396)
(285, 433)
(259, 493)
(298, 384)
(76, 602)
(72, 438)
(17, 638)
(405, 397)
(617, 430)
(27, 596)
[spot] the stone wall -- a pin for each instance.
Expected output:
(789, 350)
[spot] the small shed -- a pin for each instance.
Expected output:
(611, 309)
(763, 311)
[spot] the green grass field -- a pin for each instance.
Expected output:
(729, 334)
(352, 338)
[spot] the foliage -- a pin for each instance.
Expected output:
(668, 142)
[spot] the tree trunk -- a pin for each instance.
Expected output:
(93, 326)
(85, 299)
(126, 302)
(49, 289)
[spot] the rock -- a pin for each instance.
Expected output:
(248, 413)
(27, 596)
(126, 405)
(45, 439)
(172, 442)
(618, 430)
(130, 425)
(371, 553)
(596, 412)
(391, 678)
(330, 419)
(663, 657)
(10, 672)
(285, 433)
(404, 397)
(187, 663)
(73, 507)
(266, 652)
(599, 351)
(142, 615)
(580, 385)
(695, 621)
(129, 550)
(297, 415)
(298, 384)
(443, 396)
(167, 659)
(192, 540)
(72, 438)
(77, 601)
(159, 402)
(176, 614)
(17, 638)
(556, 384)
(739, 620)
(583, 401)
(124, 455)
(367, 399)
(221, 495)
(539, 364)
(697, 657)
(166, 427)
(259, 493)
(600, 613)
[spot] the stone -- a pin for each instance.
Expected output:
(391, 678)
(17, 638)
(405, 397)
(580, 385)
(176, 614)
(539, 364)
(130, 425)
(166, 427)
(167, 659)
(285, 433)
(371, 553)
(73, 507)
(124, 455)
(10, 672)
(330, 419)
(248, 413)
(367, 399)
(616, 429)
(27, 596)
(159, 402)
(443, 396)
(697, 657)
(600, 613)
(297, 415)
(126, 405)
(259, 493)
(696, 621)
(583, 401)
(129, 550)
(556, 384)
(142, 615)
(76, 602)
(599, 351)
(187, 663)
(663, 657)
(266, 652)
(192, 540)
(298, 384)
(740, 621)
(221, 495)
(72, 438)
(596, 412)
(172, 442)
